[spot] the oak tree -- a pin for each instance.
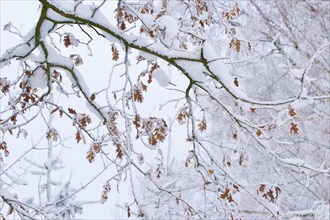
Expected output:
(244, 85)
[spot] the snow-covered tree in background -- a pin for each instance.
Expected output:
(250, 82)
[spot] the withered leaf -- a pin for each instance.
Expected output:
(122, 26)
(258, 133)
(57, 75)
(85, 120)
(235, 135)
(128, 212)
(151, 34)
(236, 82)
(261, 188)
(13, 119)
(149, 78)
(202, 125)
(3, 146)
(26, 97)
(238, 45)
(294, 128)
(137, 121)
(119, 152)
(93, 96)
(105, 192)
(144, 87)
(236, 187)
(272, 127)
(138, 97)
(66, 40)
(152, 140)
(54, 110)
(154, 66)
(241, 159)
(78, 137)
(225, 194)
(291, 111)
(230, 198)
(177, 200)
(10, 211)
(28, 73)
(72, 111)
(90, 156)
(140, 58)
(77, 59)
(115, 52)
(5, 88)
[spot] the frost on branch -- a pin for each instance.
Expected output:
(155, 129)
(236, 126)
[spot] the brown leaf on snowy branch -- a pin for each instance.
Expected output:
(115, 52)
(294, 128)
(291, 111)
(78, 136)
(202, 125)
(4, 148)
